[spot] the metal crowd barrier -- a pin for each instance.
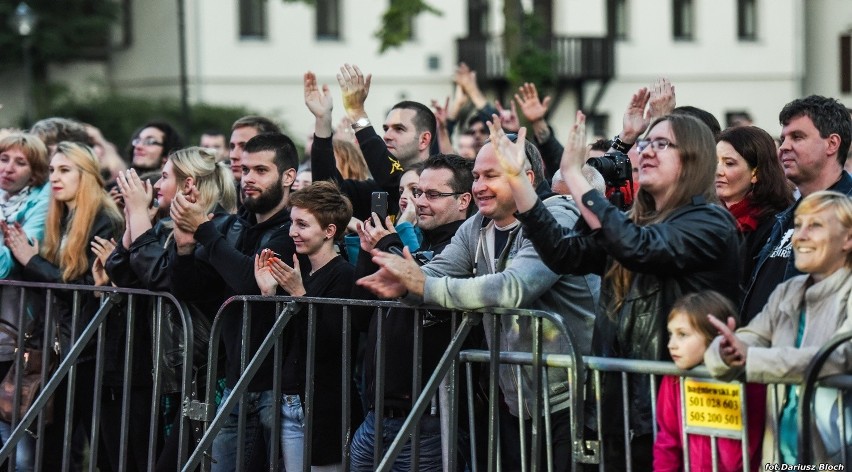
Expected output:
(442, 384)
(113, 302)
(810, 385)
(446, 374)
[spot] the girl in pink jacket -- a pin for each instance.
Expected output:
(690, 333)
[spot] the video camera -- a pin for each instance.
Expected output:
(617, 171)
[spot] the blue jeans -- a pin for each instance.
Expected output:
(259, 419)
(25, 453)
(361, 451)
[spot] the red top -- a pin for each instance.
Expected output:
(668, 448)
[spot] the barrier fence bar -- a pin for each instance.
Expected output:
(439, 393)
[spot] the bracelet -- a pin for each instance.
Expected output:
(620, 145)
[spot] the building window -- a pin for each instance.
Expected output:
(597, 124)
(252, 19)
(684, 20)
(620, 19)
(328, 19)
(747, 20)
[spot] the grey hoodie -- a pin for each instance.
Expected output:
(464, 276)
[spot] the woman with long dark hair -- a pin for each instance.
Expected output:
(750, 182)
(674, 241)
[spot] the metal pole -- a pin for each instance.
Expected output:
(27, 46)
(184, 87)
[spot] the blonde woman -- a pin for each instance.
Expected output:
(802, 314)
(141, 260)
(79, 210)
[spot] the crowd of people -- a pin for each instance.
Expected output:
(679, 241)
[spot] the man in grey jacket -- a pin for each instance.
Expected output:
(489, 263)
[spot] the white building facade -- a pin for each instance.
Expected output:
(724, 56)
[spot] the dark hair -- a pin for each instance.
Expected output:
(171, 138)
(704, 116)
(213, 132)
(770, 193)
(601, 145)
(476, 117)
(261, 124)
(697, 153)
(828, 116)
(462, 169)
(286, 156)
(424, 119)
(696, 306)
(56, 129)
(324, 200)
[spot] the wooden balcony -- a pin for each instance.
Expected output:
(576, 59)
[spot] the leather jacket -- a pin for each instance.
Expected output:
(696, 247)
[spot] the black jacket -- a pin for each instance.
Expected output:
(39, 269)
(399, 328)
(385, 169)
(145, 265)
(220, 268)
(697, 247)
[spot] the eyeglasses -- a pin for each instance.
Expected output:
(659, 144)
(146, 142)
(434, 194)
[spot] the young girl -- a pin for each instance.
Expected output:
(690, 332)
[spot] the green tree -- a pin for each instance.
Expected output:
(66, 31)
(396, 20)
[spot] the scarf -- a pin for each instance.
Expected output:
(746, 213)
(11, 205)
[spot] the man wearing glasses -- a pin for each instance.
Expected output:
(443, 201)
(151, 145)
(490, 263)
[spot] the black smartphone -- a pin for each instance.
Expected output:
(379, 205)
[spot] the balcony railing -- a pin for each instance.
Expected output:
(575, 58)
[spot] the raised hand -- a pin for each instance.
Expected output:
(662, 100)
(510, 120)
(355, 87)
(289, 278)
(635, 120)
(137, 194)
(318, 100)
(441, 112)
(371, 231)
(532, 108)
(460, 99)
(511, 155)
(574, 155)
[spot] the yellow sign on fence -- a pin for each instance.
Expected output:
(713, 405)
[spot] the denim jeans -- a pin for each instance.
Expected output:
(361, 451)
(25, 454)
(259, 419)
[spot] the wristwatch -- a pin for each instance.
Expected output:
(361, 123)
(620, 145)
